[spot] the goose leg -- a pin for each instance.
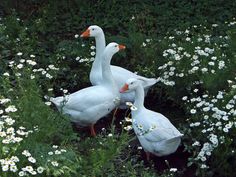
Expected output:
(147, 156)
(92, 131)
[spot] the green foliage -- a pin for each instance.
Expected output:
(43, 31)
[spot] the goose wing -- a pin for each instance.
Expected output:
(157, 127)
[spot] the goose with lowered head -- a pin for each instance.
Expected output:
(120, 74)
(155, 132)
(85, 107)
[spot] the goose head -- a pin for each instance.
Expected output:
(92, 31)
(113, 48)
(130, 85)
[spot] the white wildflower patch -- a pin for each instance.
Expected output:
(11, 108)
(31, 62)
(110, 135)
(173, 169)
(76, 36)
(4, 100)
(202, 60)
(128, 128)
(11, 138)
(131, 106)
(19, 54)
(140, 130)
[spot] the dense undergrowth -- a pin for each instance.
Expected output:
(190, 46)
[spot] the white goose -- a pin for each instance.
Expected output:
(155, 132)
(120, 74)
(87, 106)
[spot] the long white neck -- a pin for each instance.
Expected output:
(100, 44)
(106, 72)
(139, 97)
(96, 67)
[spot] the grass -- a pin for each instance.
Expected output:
(188, 46)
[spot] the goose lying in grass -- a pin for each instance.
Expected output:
(120, 74)
(155, 132)
(87, 106)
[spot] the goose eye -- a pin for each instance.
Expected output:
(131, 83)
(93, 29)
(116, 45)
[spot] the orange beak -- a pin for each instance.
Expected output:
(124, 88)
(121, 47)
(85, 33)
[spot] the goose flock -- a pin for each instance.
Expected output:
(112, 87)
